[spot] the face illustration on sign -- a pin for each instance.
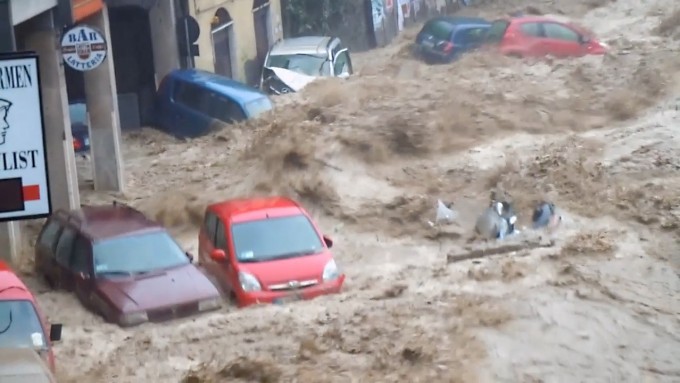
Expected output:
(4, 125)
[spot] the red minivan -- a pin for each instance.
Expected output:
(22, 325)
(266, 250)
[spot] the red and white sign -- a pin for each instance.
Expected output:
(24, 184)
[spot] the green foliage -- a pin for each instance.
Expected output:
(316, 16)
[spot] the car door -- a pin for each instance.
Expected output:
(342, 63)
(206, 239)
(467, 39)
(562, 41)
(188, 110)
(80, 265)
(533, 42)
(45, 246)
(230, 275)
(64, 278)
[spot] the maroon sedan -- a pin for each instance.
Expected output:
(122, 265)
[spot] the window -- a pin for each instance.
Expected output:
(439, 29)
(496, 33)
(531, 29)
(50, 233)
(304, 64)
(222, 108)
(220, 237)
(190, 95)
(138, 253)
(65, 246)
(80, 260)
(470, 35)
(560, 32)
(342, 63)
(275, 238)
(210, 224)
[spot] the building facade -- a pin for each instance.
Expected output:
(235, 35)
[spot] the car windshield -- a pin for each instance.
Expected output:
(259, 106)
(78, 112)
(304, 64)
(137, 254)
(20, 325)
(275, 238)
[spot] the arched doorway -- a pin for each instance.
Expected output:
(262, 24)
(222, 34)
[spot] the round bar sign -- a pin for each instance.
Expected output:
(83, 47)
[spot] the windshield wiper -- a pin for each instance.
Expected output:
(292, 255)
(9, 323)
(115, 272)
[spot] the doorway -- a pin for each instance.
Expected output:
(222, 34)
(262, 24)
(134, 63)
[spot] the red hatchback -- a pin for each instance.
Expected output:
(21, 323)
(537, 36)
(267, 250)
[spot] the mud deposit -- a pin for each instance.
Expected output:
(370, 157)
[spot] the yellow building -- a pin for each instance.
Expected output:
(236, 35)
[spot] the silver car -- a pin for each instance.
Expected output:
(293, 63)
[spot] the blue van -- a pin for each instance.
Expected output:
(445, 38)
(189, 102)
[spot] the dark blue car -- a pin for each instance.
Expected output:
(79, 130)
(190, 101)
(443, 39)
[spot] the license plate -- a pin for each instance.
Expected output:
(86, 141)
(428, 43)
(287, 299)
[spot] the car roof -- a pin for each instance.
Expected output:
(308, 45)
(237, 209)
(460, 20)
(109, 221)
(237, 91)
(11, 287)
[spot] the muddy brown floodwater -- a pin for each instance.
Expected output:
(370, 156)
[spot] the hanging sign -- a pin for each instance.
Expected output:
(83, 47)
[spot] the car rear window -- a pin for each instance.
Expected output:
(497, 31)
(470, 35)
(439, 29)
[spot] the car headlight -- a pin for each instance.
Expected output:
(248, 282)
(330, 272)
(209, 304)
(131, 319)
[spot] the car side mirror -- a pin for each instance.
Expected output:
(328, 241)
(218, 255)
(190, 256)
(55, 332)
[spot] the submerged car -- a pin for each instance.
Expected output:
(538, 36)
(293, 63)
(22, 325)
(189, 102)
(267, 250)
(122, 265)
(445, 38)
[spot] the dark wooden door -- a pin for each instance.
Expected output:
(222, 50)
(261, 22)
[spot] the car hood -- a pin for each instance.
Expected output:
(294, 80)
(23, 365)
(292, 269)
(158, 289)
